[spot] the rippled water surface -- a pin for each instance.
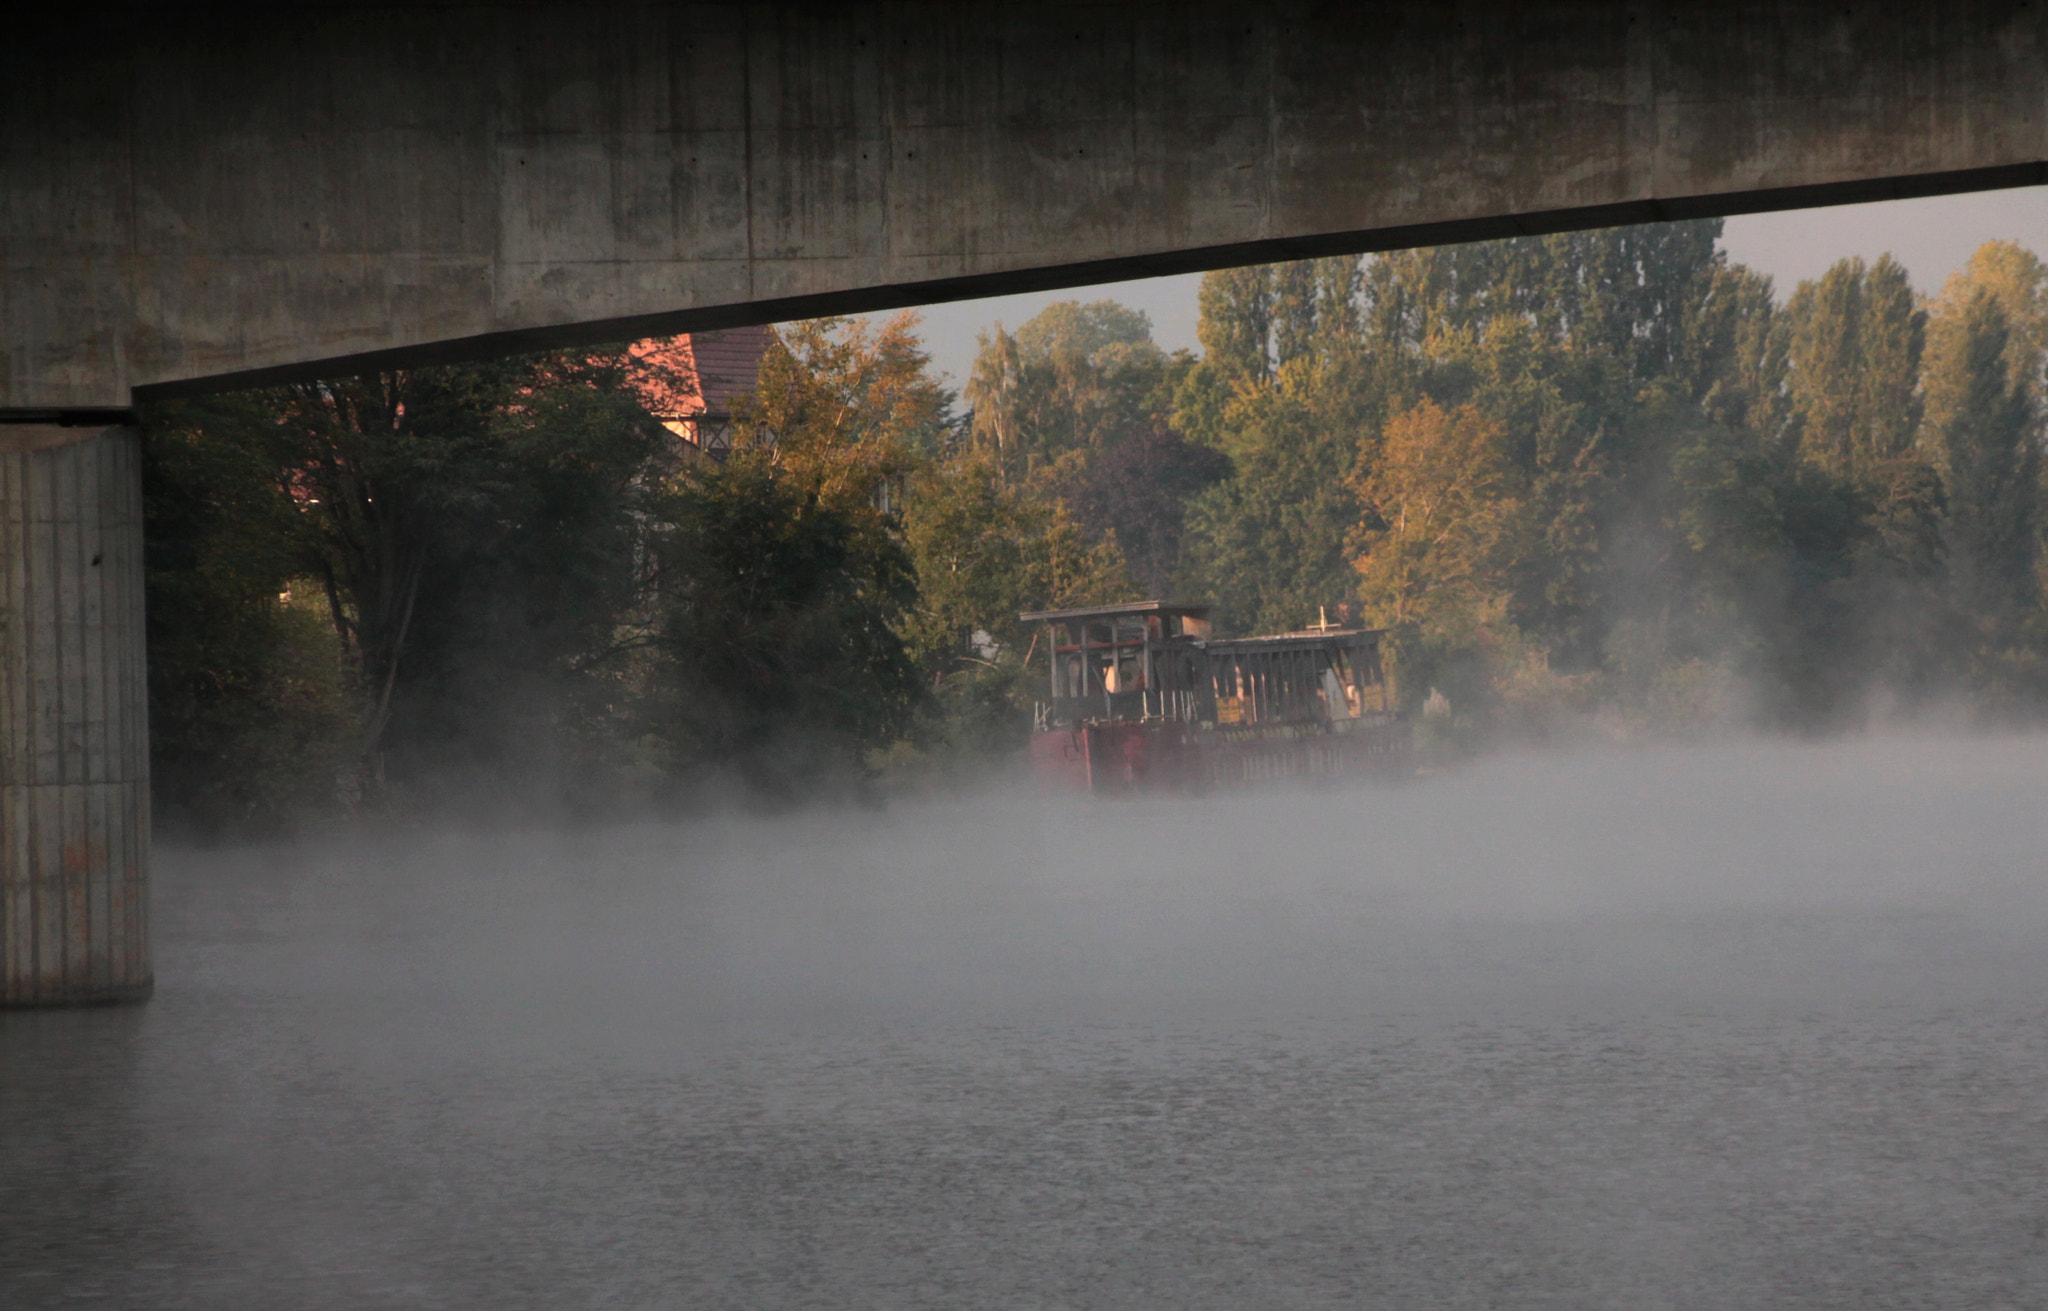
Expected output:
(1745, 1027)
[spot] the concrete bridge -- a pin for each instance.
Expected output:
(193, 199)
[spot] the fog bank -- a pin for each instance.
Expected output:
(1793, 874)
(1751, 1026)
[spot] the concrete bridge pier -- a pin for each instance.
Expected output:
(74, 738)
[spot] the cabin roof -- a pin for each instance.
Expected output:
(1308, 638)
(1112, 611)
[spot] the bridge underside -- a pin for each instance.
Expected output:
(195, 197)
(195, 194)
(974, 286)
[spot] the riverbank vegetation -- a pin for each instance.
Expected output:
(1598, 483)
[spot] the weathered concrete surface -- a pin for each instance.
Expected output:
(74, 741)
(184, 195)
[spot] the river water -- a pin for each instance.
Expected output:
(1752, 1026)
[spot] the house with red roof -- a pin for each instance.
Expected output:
(691, 382)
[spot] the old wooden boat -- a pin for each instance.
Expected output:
(1144, 697)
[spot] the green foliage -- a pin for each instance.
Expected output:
(2017, 280)
(846, 408)
(250, 699)
(1236, 324)
(1135, 492)
(1293, 396)
(1856, 338)
(1622, 294)
(1593, 477)
(775, 630)
(477, 529)
(1071, 414)
(1072, 382)
(1268, 545)
(529, 597)
(983, 553)
(1985, 442)
(1069, 328)
(1672, 474)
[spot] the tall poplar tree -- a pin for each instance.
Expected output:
(1287, 392)
(1987, 444)
(2016, 278)
(1856, 338)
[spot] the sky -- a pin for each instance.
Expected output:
(1930, 237)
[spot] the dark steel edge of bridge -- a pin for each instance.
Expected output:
(96, 417)
(133, 994)
(1087, 273)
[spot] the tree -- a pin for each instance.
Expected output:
(795, 634)
(985, 552)
(1442, 519)
(1069, 328)
(1626, 294)
(477, 529)
(1073, 412)
(775, 629)
(1289, 392)
(1855, 343)
(1135, 493)
(846, 409)
(1236, 324)
(1070, 383)
(1267, 544)
(1443, 525)
(251, 709)
(1987, 445)
(2014, 277)
(1985, 436)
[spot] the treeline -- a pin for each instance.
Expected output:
(1594, 479)
(507, 589)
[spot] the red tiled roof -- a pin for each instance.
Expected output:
(699, 372)
(729, 364)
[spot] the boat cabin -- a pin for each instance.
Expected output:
(1156, 661)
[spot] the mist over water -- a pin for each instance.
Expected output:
(1755, 1025)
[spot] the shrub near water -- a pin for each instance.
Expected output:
(252, 703)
